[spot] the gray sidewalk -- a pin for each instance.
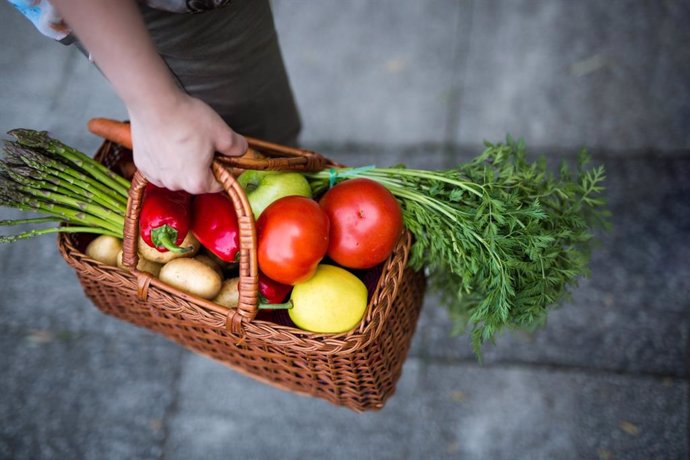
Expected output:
(607, 378)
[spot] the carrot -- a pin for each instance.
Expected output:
(112, 130)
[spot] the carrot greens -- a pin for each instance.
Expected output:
(502, 238)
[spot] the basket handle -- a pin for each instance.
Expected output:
(284, 158)
(288, 158)
(248, 267)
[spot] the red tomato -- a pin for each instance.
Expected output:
(366, 222)
(292, 235)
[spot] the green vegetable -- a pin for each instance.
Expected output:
(502, 238)
(42, 175)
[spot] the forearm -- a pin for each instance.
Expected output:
(115, 35)
(174, 135)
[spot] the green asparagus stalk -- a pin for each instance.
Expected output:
(64, 229)
(42, 175)
(50, 166)
(38, 179)
(32, 220)
(106, 215)
(10, 197)
(24, 176)
(41, 139)
(48, 192)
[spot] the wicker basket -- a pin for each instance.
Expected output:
(358, 369)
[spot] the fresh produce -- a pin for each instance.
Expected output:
(366, 222)
(265, 187)
(143, 265)
(191, 276)
(43, 175)
(214, 224)
(165, 218)
(154, 255)
(502, 239)
(292, 236)
(272, 292)
(211, 262)
(104, 248)
(229, 294)
(115, 131)
(333, 300)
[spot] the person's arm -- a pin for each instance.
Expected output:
(174, 134)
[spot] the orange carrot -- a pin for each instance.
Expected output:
(112, 130)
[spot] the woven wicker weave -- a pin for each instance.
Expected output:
(358, 369)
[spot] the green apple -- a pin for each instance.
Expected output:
(265, 187)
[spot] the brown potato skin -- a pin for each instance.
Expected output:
(210, 262)
(191, 276)
(144, 265)
(229, 295)
(104, 249)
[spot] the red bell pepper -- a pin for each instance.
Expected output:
(164, 218)
(272, 292)
(214, 224)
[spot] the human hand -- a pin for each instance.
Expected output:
(173, 134)
(175, 140)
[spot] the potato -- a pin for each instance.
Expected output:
(191, 276)
(229, 295)
(154, 255)
(210, 262)
(104, 249)
(143, 265)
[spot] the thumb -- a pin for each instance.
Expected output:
(232, 144)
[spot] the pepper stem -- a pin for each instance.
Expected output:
(276, 306)
(165, 236)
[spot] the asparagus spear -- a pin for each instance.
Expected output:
(41, 140)
(49, 166)
(38, 179)
(32, 220)
(10, 197)
(65, 229)
(46, 195)
(43, 175)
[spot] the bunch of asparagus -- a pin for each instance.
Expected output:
(43, 175)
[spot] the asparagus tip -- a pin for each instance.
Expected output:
(29, 137)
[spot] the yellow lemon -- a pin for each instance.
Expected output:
(333, 300)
